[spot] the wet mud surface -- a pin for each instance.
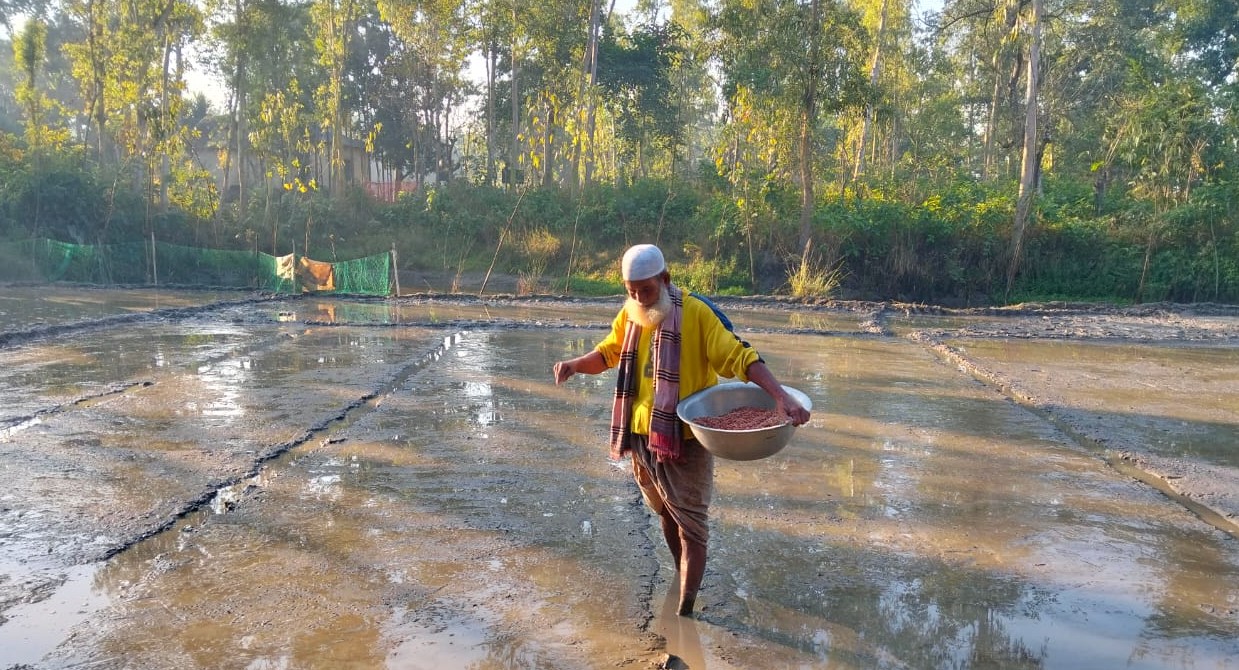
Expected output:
(250, 481)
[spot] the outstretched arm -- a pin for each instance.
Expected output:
(591, 364)
(761, 375)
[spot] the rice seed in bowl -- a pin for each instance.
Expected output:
(745, 444)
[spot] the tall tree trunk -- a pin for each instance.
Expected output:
(991, 121)
(275, 229)
(418, 171)
(1012, 13)
(445, 146)
(548, 151)
(334, 159)
(238, 121)
(808, 119)
(491, 62)
(513, 161)
(591, 121)
(165, 117)
(584, 145)
(1028, 170)
(98, 109)
(874, 68)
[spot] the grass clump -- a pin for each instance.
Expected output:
(811, 279)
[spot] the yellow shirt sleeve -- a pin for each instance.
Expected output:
(707, 351)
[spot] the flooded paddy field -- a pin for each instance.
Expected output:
(30, 306)
(251, 482)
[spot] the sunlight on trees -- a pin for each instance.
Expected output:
(965, 148)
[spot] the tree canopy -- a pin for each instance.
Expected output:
(985, 150)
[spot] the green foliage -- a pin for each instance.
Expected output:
(58, 195)
(593, 286)
(949, 246)
(635, 70)
(705, 276)
(1077, 257)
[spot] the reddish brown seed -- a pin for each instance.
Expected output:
(743, 418)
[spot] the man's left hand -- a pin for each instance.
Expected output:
(793, 410)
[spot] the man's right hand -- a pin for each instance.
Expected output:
(590, 364)
(562, 371)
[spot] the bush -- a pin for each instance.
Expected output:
(933, 237)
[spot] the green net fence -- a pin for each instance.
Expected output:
(161, 263)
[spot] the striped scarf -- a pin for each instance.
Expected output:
(665, 429)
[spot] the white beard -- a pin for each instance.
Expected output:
(652, 316)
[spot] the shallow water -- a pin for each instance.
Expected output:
(419, 497)
(1171, 400)
(23, 307)
(429, 312)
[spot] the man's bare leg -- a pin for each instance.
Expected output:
(671, 533)
(692, 569)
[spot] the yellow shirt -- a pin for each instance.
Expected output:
(707, 350)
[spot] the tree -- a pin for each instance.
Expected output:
(29, 49)
(428, 52)
(986, 37)
(258, 46)
(635, 73)
(333, 23)
(1032, 156)
(284, 140)
(29, 53)
(794, 57)
(127, 61)
(875, 70)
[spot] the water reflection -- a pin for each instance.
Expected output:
(225, 380)
(922, 521)
(392, 312)
(477, 360)
(951, 551)
(437, 639)
(482, 400)
(845, 323)
(23, 307)
(1169, 400)
(872, 607)
(32, 630)
(681, 633)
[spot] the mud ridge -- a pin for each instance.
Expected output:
(13, 424)
(16, 337)
(1206, 490)
(324, 427)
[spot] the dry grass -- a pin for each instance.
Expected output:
(814, 280)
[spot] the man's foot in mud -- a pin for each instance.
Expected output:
(686, 606)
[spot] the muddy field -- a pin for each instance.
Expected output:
(225, 480)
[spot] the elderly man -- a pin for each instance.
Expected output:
(667, 345)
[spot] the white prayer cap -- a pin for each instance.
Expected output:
(642, 261)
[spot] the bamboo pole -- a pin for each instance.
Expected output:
(395, 269)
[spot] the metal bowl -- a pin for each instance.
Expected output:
(737, 445)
